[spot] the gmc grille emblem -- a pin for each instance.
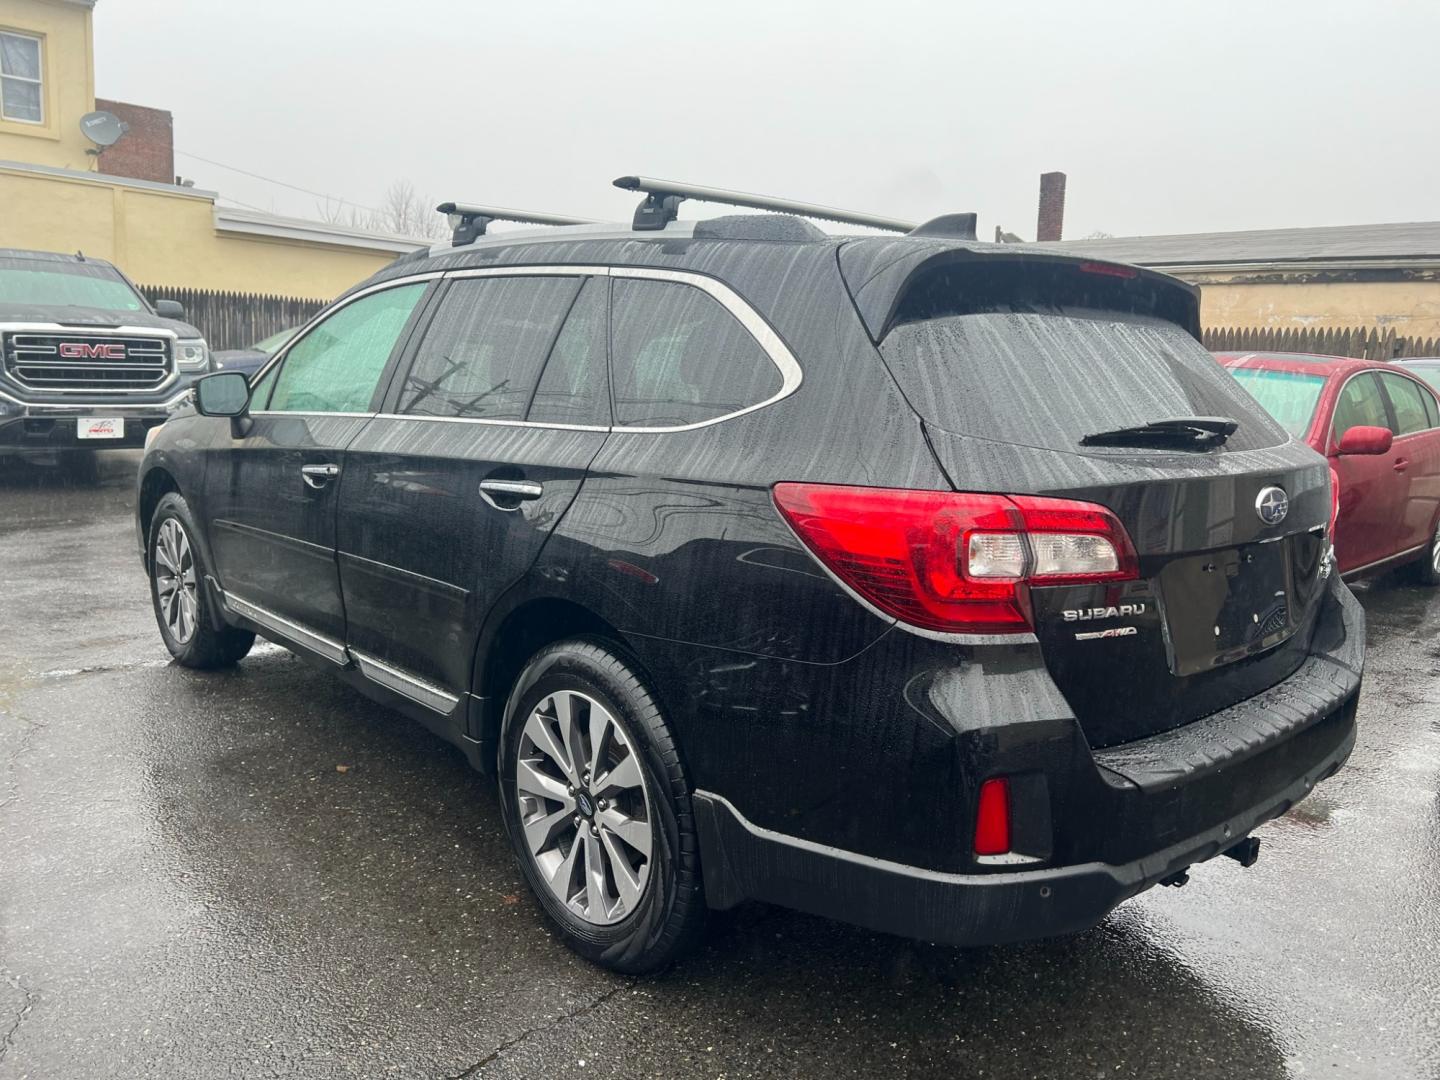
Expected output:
(84, 350)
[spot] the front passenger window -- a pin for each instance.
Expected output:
(336, 367)
(1361, 404)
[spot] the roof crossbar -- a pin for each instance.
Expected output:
(663, 198)
(469, 221)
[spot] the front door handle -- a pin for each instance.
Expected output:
(1401, 464)
(509, 494)
(317, 476)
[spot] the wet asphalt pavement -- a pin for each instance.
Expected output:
(190, 886)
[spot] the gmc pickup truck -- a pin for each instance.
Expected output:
(86, 363)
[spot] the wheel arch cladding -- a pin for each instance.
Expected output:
(157, 484)
(507, 644)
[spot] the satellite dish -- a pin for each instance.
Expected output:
(103, 128)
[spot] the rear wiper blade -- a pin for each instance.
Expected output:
(1200, 431)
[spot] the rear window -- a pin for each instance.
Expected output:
(1050, 375)
(1289, 396)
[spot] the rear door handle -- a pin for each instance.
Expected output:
(509, 494)
(1401, 464)
(317, 476)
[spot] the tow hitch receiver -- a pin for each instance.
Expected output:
(1245, 852)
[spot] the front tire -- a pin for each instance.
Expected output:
(183, 606)
(598, 810)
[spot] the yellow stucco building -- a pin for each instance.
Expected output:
(160, 234)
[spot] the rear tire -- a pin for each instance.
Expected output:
(183, 605)
(601, 819)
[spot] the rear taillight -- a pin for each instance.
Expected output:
(955, 562)
(992, 817)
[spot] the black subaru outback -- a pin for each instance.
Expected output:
(946, 588)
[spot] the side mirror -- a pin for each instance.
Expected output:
(1366, 440)
(170, 309)
(226, 393)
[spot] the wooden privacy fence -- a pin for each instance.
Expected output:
(1365, 344)
(231, 320)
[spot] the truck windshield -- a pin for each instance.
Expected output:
(1288, 396)
(62, 284)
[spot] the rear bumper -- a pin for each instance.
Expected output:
(1136, 814)
(743, 861)
(41, 426)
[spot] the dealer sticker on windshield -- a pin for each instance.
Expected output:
(100, 427)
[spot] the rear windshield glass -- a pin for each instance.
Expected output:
(1049, 379)
(55, 284)
(1288, 396)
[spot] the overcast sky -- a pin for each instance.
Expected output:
(1168, 116)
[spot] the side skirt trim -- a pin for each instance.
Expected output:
(402, 682)
(316, 642)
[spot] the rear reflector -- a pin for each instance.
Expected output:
(955, 562)
(992, 817)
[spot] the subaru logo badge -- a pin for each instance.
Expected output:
(1272, 505)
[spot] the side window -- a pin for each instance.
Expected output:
(336, 367)
(1408, 401)
(678, 357)
(485, 346)
(573, 388)
(1360, 404)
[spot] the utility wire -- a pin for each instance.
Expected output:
(278, 183)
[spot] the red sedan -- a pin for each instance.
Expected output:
(1380, 427)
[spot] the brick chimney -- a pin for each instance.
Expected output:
(1052, 207)
(147, 150)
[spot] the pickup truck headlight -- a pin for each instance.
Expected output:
(191, 355)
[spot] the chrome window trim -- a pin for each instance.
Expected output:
(311, 412)
(770, 342)
(541, 270)
(775, 349)
(402, 682)
(316, 642)
(486, 420)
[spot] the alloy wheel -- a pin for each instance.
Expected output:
(584, 807)
(175, 581)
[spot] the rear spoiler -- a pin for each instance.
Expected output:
(880, 273)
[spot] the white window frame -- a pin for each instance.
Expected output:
(39, 82)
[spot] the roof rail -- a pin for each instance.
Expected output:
(663, 198)
(469, 221)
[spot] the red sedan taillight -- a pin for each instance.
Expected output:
(955, 562)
